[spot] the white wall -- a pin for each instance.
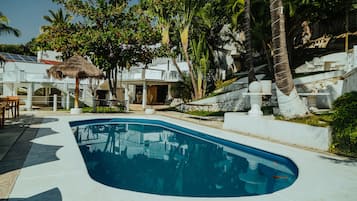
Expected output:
(27, 67)
(283, 131)
(350, 81)
(48, 56)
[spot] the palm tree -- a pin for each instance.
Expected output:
(57, 18)
(5, 28)
(290, 104)
(190, 8)
(163, 12)
(184, 12)
(248, 41)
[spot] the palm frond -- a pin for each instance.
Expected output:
(5, 29)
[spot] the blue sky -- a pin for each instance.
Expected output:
(26, 15)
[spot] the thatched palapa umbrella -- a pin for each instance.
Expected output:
(75, 67)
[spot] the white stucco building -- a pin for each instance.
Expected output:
(26, 77)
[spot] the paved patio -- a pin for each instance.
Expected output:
(15, 144)
(41, 161)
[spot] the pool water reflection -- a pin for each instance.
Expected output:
(161, 158)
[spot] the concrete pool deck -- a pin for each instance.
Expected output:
(54, 169)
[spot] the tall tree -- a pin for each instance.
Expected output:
(164, 14)
(290, 104)
(192, 23)
(189, 9)
(209, 28)
(115, 35)
(261, 31)
(248, 41)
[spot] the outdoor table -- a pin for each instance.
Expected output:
(11, 103)
(14, 102)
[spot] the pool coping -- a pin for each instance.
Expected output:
(321, 176)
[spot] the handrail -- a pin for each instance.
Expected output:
(150, 74)
(314, 94)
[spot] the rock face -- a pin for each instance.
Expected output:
(231, 101)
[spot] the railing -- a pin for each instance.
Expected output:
(22, 76)
(132, 75)
(149, 74)
(42, 100)
(53, 102)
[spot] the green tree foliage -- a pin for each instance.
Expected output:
(114, 35)
(187, 26)
(17, 49)
(60, 34)
(344, 124)
(57, 18)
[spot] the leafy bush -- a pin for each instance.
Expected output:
(182, 89)
(344, 125)
(220, 83)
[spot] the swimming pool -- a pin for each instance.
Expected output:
(158, 157)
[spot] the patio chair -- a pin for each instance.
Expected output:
(14, 104)
(2, 114)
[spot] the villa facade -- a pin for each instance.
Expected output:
(26, 77)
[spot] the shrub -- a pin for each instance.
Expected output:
(344, 123)
(220, 83)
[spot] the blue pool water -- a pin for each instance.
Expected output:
(157, 157)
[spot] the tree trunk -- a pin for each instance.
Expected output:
(192, 75)
(268, 55)
(114, 92)
(112, 81)
(184, 43)
(248, 42)
(177, 67)
(348, 6)
(76, 94)
(93, 86)
(290, 104)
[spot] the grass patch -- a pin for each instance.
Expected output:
(321, 120)
(174, 109)
(205, 113)
(103, 109)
